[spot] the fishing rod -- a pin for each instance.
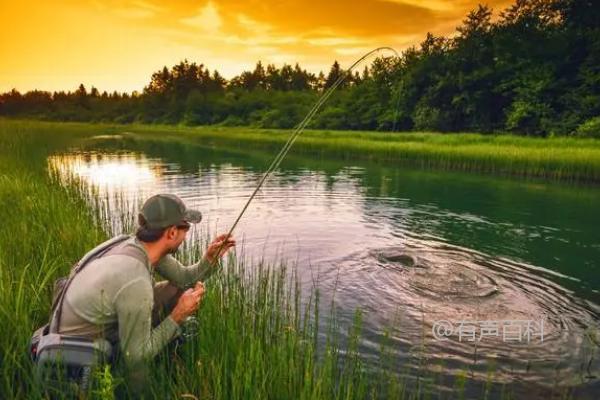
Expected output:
(297, 131)
(191, 323)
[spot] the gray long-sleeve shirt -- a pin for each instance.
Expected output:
(112, 297)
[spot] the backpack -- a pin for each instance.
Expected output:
(76, 355)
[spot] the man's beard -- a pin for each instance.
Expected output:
(174, 249)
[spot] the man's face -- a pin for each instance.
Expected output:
(176, 236)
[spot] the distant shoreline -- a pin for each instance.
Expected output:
(568, 159)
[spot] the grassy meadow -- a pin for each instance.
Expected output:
(256, 340)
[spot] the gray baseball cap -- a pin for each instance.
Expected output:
(163, 210)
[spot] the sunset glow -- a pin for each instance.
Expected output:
(117, 44)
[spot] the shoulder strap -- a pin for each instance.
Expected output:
(96, 252)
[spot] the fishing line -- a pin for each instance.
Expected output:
(191, 324)
(297, 131)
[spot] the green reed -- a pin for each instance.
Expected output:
(258, 337)
(560, 158)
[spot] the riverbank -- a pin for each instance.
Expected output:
(255, 339)
(45, 228)
(565, 159)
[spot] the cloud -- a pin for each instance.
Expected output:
(136, 9)
(118, 43)
(252, 25)
(207, 19)
(133, 13)
(334, 41)
(336, 27)
(352, 51)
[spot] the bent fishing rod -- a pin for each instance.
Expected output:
(297, 131)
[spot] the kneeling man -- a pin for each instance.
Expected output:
(115, 297)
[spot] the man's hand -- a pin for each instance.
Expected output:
(188, 303)
(221, 242)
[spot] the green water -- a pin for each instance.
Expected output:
(484, 248)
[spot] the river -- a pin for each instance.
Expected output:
(464, 271)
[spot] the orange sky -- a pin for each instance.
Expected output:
(117, 44)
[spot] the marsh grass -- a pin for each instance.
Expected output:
(569, 159)
(45, 228)
(562, 158)
(258, 337)
(256, 341)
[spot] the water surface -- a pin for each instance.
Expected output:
(491, 257)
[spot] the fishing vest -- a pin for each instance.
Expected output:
(76, 356)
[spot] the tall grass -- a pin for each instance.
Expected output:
(257, 338)
(561, 158)
(45, 228)
(568, 159)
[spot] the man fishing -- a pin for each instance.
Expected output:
(114, 295)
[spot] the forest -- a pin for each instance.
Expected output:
(532, 69)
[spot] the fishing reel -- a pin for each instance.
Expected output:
(190, 328)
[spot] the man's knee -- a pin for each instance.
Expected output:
(166, 296)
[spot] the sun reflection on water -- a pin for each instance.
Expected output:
(107, 171)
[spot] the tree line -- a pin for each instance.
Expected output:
(534, 70)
